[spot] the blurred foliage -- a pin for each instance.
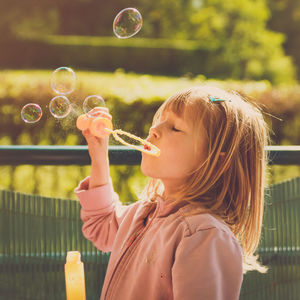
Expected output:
(286, 19)
(163, 56)
(152, 56)
(237, 31)
(60, 181)
(232, 36)
(132, 100)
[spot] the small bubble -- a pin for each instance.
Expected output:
(63, 80)
(60, 107)
(127, 23)
(91, 102)
(31, 113)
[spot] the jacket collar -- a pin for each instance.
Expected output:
(165, 208)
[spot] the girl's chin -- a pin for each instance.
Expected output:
(147, 171)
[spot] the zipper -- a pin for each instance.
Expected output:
(133, 240)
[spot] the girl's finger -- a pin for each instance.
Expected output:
(86, 133)
(100, 112)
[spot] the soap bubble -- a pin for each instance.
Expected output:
(31, 113)
(127, 23)
(91, 102)
(60, 107)
(63, 80)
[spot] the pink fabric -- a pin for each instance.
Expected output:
(173, 256)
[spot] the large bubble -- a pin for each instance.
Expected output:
(127, 23)
(91, 102)
(63, 81)
(31, 113)
(60, 107)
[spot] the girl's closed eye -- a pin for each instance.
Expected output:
(175, 129)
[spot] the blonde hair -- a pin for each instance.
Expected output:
(230, 182)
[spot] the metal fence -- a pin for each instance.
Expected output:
(279, 248)
(36, 233)
(118, 155)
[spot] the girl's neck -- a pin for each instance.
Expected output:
(172, 188)
(170, 193)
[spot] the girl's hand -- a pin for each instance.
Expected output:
(98, 151)
(98, 146)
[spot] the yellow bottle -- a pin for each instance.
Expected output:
(74, 277)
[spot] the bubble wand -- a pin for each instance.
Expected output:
(100, 126)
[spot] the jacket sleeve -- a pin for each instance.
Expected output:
(101, 213)
(208, 265)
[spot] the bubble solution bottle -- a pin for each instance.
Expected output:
(74, 277)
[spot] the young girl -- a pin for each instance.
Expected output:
(200, 218)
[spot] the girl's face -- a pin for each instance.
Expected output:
(179, 155)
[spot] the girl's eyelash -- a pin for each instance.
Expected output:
(175, 129)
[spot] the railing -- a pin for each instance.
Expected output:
(118, 155)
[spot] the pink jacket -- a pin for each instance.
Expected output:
(171, 256)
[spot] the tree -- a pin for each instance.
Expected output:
(21, 18)
(286, 19)
(236, 31)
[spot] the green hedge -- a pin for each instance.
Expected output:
(108, 54)
(132, 100)
(140, 55)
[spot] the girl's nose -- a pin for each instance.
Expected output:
(154, 132)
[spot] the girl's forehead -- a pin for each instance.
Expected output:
(170, 112)
(180, 118)
(188, 108)
(182, 110)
